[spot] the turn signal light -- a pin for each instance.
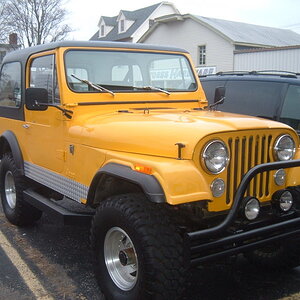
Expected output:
(143, 169)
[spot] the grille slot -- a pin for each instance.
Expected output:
(245, 153)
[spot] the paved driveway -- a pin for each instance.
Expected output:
(48, 261)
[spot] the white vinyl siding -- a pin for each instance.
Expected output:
(189, 34)
(164, 9)
(281, 60)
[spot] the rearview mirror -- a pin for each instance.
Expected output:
(36, 99)
(219, 94)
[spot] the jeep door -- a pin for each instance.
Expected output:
(44, 129)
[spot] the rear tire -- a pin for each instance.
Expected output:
(12, 185)
(139, 252)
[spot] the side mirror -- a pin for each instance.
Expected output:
(219, 94)
(36, 99)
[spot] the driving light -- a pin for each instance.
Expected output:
(215, 156)
(279, 177)
(284, 148)
(251, 208)
(217, 187)
(286, 201)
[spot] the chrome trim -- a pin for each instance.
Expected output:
(275, 148)
(10, 190)
(202, 158)
(124, 272)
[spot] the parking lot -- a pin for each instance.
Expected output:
(47, 261)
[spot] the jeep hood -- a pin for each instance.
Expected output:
(156, 132)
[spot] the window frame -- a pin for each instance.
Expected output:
(54, 73)
(122, 26)
(11, 112)
(102, 30)
(20, 65)
(125, 90)
(202, 55)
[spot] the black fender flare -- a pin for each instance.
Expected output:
(9, 137)
(148, 183)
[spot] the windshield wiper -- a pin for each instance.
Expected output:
(151, 88)
(94, 85)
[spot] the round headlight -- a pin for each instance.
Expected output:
(284, 148)
(215, 156)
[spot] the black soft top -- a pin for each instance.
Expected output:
(23, 54)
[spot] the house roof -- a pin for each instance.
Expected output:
(295, 47)
(110, 21)
(139, 16)
(244, 33)
(130, 15)
(237, 32)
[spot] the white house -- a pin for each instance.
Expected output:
(213, 42)
(130, 26)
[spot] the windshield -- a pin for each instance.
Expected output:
(121, 71)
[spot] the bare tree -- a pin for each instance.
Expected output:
(3, 23)
(36, 21)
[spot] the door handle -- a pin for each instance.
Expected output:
(26, 126)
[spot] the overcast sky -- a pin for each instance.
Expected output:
(85, 14)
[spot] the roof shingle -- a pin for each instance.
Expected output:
(139, 16)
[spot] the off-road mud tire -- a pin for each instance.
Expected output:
(21, 213)
(158, 243)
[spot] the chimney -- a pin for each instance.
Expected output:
(13, 39)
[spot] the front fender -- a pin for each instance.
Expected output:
(148, 183)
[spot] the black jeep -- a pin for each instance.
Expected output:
(269, 94)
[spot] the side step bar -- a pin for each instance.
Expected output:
(60, 214)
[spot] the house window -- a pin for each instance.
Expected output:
(202, 55)
(151, 22)
(102, 30)
(122, 26)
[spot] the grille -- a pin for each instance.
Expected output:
(247, 152)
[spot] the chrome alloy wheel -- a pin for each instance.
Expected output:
(10, 189)
(120, 258)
